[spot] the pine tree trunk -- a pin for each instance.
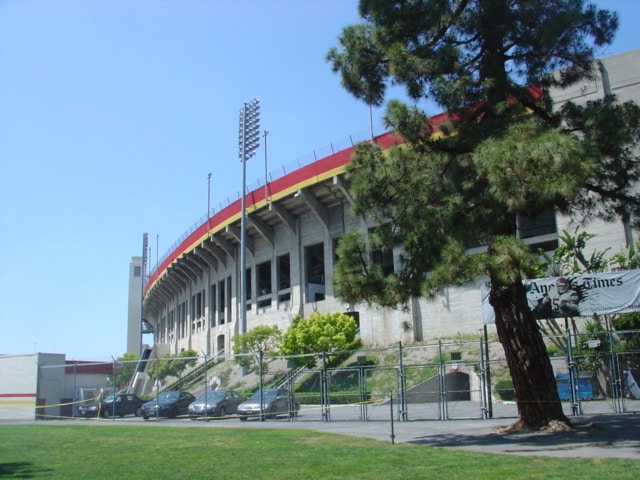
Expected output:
(539, 405)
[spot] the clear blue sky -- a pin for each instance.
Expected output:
(112, 114)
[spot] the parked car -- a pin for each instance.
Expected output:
(275, 401)
(119, 405)
(168, 404)
(217, 403)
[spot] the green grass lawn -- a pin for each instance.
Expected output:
(98, 451)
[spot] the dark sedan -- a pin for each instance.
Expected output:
(168, 404)
(275, 401)
(218, 403)
(120, 405)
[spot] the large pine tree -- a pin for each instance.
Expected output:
(503, 153)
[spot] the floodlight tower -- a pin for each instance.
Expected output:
(248, 143)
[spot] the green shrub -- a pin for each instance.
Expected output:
(335, 398)
(504, 390)
(552, 350)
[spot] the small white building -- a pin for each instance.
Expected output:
(47, 386)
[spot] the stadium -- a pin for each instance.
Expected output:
(191, 298)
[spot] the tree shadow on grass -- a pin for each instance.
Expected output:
(22, 470)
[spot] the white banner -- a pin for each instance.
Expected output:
(577, 295)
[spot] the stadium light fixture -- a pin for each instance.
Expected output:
(248, 143)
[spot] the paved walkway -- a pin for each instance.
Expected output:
(599, 436)
(603, 436)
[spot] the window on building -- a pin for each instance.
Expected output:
(161, 329)
(336, 220)
(264, 284)
(284, 278)
(137, 271)
(199, 305)
(264, 278)
(220, 345)
(172, 325)
(223, 298)
(182, 319)
(228, 299)
(537, 224)
(203, 307)
(382, 257)
(314, 266)
(248, 290)
(179, 321)
(212, 306)
(284, 272)
(538, 230)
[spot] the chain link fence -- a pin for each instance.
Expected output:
(596, 373)
(466, 379)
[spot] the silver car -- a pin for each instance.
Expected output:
(217, 403)
(275, 401)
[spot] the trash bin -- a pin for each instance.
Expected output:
(584, 386)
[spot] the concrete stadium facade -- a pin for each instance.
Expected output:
(191, 298)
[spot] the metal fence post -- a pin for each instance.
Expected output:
(575, 407)
(442, 383)
(488, 373)
(261, 385)
(615, 376)
(324, 389)
(393, 435)
(157, 386)
(290, 384)
(362, 386)
(206, 395)
(115, 390)
(73, 402)
(402, 386)
(483, 384)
